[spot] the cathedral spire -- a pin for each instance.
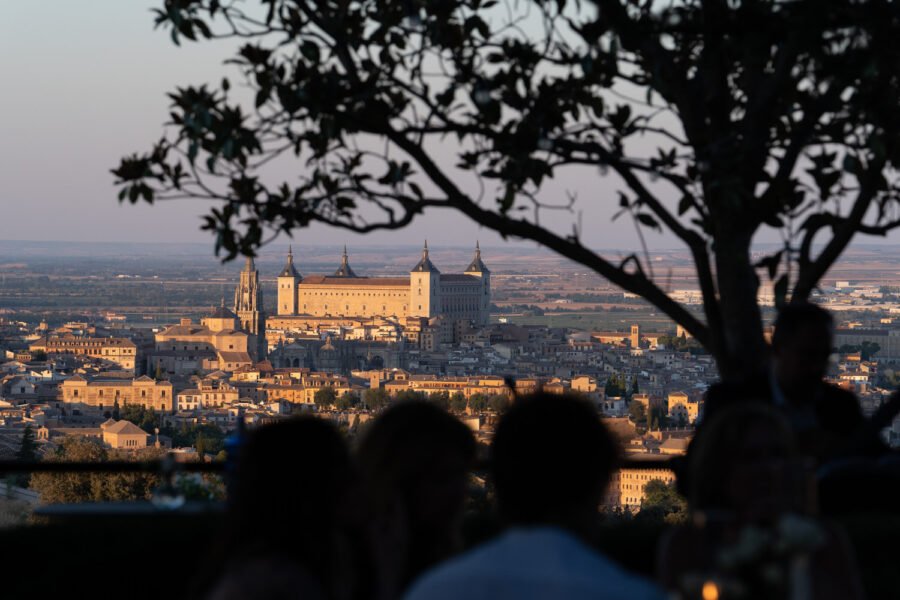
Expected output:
(289, 270)
(344, 270)
(425, 265)
(476, 266)
(249, 266)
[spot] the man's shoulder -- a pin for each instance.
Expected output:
(530, 566)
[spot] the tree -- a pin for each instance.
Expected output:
(458, 403)
(346, 401)
(325, 397)
(27, 452)
(70, 487)
(376, 398)
(498, 403)
(145, 418)
(160, 373)
(406, 395)
(189, 436)
(868, 349)
(661, 501)
(637, 413)
(635, 389)
(615, 386)
(478, 403)
(441, 399)
(116, 411)
(739, 120)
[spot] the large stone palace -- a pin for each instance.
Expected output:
(425, 293)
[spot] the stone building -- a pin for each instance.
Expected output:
(79, 392)
(683, 408)
(216, 343)
(626, 488)
(425, 292)
(124, 435)
(121, 351)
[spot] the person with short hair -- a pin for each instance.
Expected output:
(826, 420)
(551, 460)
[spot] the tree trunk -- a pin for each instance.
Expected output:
(743, 353)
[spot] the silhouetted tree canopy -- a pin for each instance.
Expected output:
(710, 120)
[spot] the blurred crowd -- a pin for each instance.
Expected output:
(311, 516)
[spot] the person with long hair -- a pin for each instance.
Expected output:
(752, 499)
(290, 516)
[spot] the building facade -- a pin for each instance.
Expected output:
(425, 293)
(103, 395)
(120, 351)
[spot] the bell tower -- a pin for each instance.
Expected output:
(477, 269)
(424, 288)
(248, 306)
(288, 280)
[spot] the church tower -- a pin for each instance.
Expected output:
(477, 269)
(288, 280)
(424, 288)
(248, 306)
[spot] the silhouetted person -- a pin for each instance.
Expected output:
(745, 473)
(414, 461)
(826, 420)
(288, 515)
(551, 461)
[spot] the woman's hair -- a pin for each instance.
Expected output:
(290, 495)
(402, 445)
(716, 448)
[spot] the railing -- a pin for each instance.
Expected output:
(168, 466)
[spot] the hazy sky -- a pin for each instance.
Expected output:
(84, 83)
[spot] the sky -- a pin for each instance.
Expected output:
(85, 83)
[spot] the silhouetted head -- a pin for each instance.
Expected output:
(741, 462)
(801, 345)
(292, 486)
(414, 462)
(551, 460)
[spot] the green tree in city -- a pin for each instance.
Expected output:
(662, 502)
(405, 395)
(498, 403)
(615, 386)
(116, 411)
(441, 399)
(637, 413)
(376, 398)
(54, 488)
(346, 401)
(458, 403)
(635, 389)
(478, 403)
(325, 397)
(145, 418)
(27, 452)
